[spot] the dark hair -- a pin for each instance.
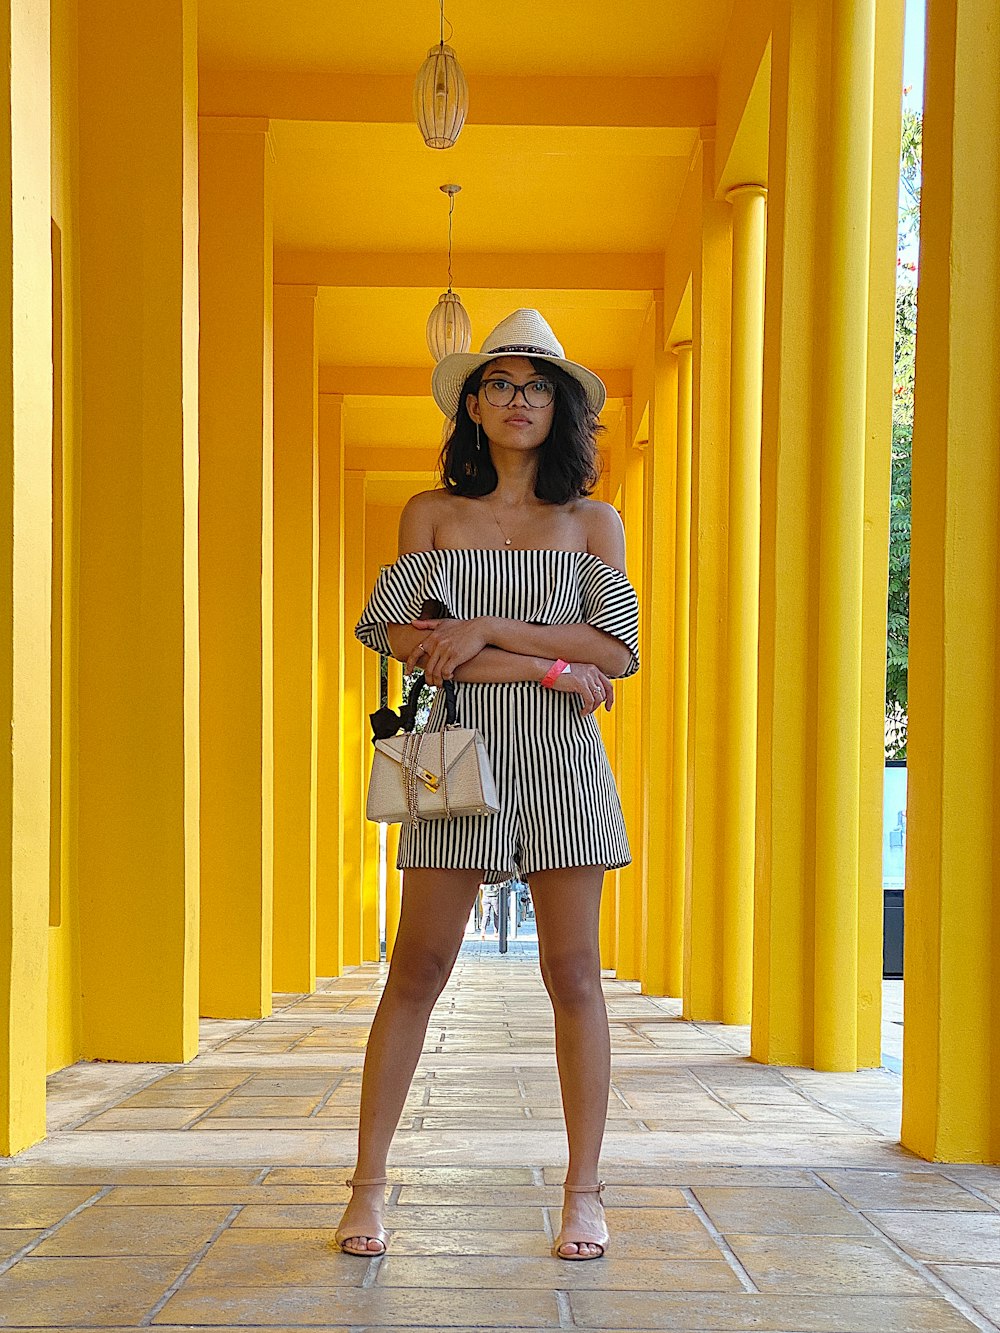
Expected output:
(568, 462)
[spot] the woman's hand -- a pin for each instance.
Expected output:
(590, 683)
(445, 646)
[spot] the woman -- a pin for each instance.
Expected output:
(511, 583)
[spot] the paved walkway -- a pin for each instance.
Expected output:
(739, 1197)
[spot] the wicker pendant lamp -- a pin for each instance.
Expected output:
(440, 95)
(449, 328)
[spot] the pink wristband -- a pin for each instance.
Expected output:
(556, 669)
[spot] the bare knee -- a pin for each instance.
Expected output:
(418, 976)
(572, 979)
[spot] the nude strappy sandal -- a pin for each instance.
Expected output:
(381, 1235)
(583, 1236)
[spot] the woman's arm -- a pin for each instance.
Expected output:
(576, 642)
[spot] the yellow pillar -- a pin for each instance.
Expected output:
(740, 713)
(811, 991)
(951, 1035)
(886, 118)
(662, 942)
(330, 690)
(138, 826)
(393, 877)
(296, 635)
(235, 162)
(26, 405)
(354, 731)
(709, 992)
(381, 543)
(678, 703)
(628, 705)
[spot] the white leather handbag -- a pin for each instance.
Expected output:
(428, 774)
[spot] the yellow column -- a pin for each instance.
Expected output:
(740, 713)
(708, 989)
(235, 161)
(951, 1035)
(808, 933)
(662, 943)
(381, 542)
(296, 636)
(628, 705)
(886, 117)
(354, 732)
(393, 877)
(138, 677)
(26, 405)
(330, 692)
(678, 703)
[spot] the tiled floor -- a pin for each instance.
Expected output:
(739, 1197)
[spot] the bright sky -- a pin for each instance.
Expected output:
(913, 53)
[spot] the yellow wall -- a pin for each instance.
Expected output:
(64, 1031)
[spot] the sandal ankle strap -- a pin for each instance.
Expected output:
(374, 1180)
(585, 1189)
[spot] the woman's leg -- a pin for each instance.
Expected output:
(567, 914)
(435, 908)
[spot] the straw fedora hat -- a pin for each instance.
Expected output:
(524, 333)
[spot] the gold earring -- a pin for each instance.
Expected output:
(479, 443)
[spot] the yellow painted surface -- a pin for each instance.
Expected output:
(951, 1037)
(330, 691)
(63, 1041)
(658, 39)
(25, 582)
(236, 464)
(808, 935)
(878, 473)
(381, 544)
(706, 923)
(677, 867)
(354, 729)
(138, 557)
(628, 705)
(662, 945)
(744, 86)
(740, 689)
(296, 573)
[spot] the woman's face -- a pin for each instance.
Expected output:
(518, 425)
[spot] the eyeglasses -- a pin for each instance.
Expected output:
(501, 393)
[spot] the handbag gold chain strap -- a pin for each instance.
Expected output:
(410, 762)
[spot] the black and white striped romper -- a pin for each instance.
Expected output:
(558, 802)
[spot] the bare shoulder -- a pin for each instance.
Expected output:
(605, 532)
(418, 520)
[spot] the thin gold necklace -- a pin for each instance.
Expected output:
(507, 540)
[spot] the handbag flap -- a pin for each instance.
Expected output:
(455, 745)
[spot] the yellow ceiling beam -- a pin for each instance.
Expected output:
(639, 273)
(415, 381)
(561, 100)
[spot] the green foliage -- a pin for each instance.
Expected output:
(897, 649)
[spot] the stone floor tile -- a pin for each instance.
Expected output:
(468, 1273)
(15, 1239)
(100, 1292)
(498, 1196)
(485, 1218)
(801, 1212)
(105, 1174)
(243, 1195)
(289, 1256)
(134, 1231)
(157, 1096)
(39, 1205)
(845, 1265)
(292, 1085)
(956, 1237)
(142, 1118)
(508, 1242)
(901, 1189)
(412, 1175)
(978, 1283)
(675, 1234)
(762, 1312)
(420, 1307)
